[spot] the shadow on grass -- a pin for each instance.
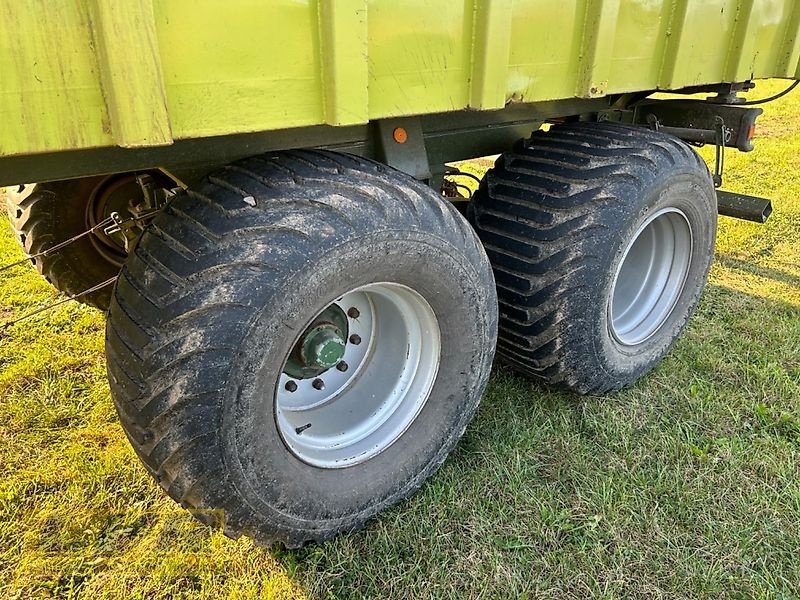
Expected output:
(685, 484)
(658, 488)
(750, 268)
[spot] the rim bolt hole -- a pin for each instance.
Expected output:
(353, 312)
(342, 366)
(355, 339)
(291, 386)
(318, 384)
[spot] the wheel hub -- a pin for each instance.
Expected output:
(320, 347)
(324, 347)
(123, 194)
(650, 277)
(358, 376)
(115, 194)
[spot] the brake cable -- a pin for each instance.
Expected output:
(61, 245)
(42, 309)
(111, 224)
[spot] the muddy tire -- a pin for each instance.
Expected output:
(237, 302)
(44, 215)
(601, 237)
(47, 214)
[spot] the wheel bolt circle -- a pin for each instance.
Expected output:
(355, 339)
(318, 384)
(353, 312)
(342, 366)
(291, 386)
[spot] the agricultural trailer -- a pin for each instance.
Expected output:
(303, 302)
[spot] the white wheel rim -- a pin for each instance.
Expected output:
(651, 277)
(363, 410)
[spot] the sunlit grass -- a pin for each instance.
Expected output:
(686, 484)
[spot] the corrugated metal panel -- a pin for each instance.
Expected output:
(78, 74)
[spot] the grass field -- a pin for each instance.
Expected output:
(685, 485)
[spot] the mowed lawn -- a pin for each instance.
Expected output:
(685, 485)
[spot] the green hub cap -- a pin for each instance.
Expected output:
(321, 347)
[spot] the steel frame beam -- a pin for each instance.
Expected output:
(447, 137)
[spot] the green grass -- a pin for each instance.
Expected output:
(685, 485)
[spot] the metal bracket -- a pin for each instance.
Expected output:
(742, 206)
(401, 144)
(698, 122)
(123, 226)
(720, 136)
(723, 135)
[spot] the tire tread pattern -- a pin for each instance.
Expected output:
(540, 212)
(38, 219)
(201, 263)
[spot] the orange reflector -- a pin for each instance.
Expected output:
(752, 132)
(400, 135)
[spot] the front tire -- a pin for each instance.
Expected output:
(300, 342)
(601, 237)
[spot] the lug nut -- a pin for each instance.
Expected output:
(291, 386)
(353, 312)
(342, 366)
(318, 384)
(355, 339)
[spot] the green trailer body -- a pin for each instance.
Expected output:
(92, 74)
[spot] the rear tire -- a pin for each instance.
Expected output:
(264, 261)
(44, 215)
(560, 217)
